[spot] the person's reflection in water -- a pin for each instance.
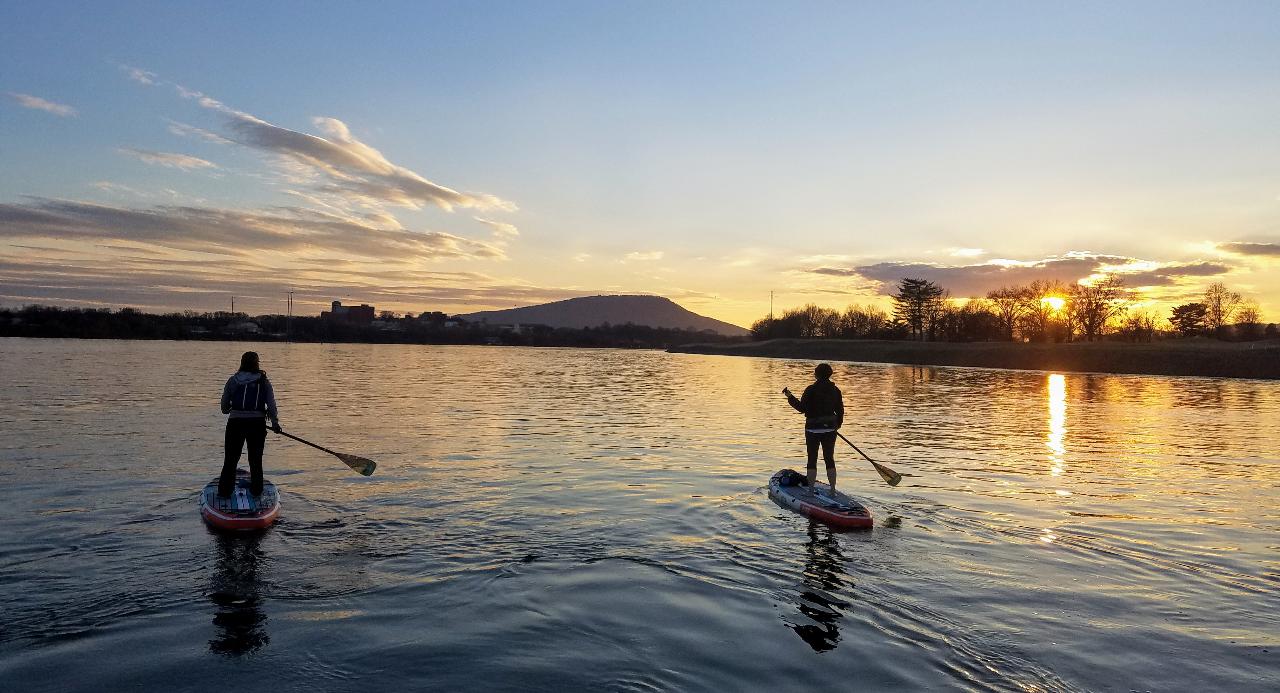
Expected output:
(236, 595)
(823, 575)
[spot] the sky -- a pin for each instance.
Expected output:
(462, 156)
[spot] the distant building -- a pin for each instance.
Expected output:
(356, 315)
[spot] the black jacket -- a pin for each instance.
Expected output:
(822, 405)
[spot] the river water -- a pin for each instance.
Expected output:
(549, 519)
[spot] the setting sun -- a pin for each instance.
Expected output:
(1054, 302)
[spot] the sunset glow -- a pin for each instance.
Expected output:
(631, 150)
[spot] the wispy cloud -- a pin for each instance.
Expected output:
(108, 186)
(39, 104)
(837, 271)
(643, 256)
(500, 228)
(139, 75)
(1259, 249)
(349, 167)
(185, 130)
(233, 232)
(168, 159)
(116, 273)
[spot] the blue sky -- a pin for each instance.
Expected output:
(497, 154)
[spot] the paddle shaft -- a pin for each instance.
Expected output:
(850, 442)
(318, 447)
(891, 477)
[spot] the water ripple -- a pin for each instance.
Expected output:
(551, 519)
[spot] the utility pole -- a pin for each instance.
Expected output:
(233, 305)
(288, 321)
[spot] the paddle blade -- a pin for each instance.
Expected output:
(890, 477)
(364, 465)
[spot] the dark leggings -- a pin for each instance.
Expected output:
(240, 431)
(828, 442)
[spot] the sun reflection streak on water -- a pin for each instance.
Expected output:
(1057, 423)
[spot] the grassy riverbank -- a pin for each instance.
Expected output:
(1200, 357)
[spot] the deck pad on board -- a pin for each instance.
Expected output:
(241, 509)
(819, 501)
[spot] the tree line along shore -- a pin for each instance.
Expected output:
(426, 328)
(1040, 312)
(1100, 326)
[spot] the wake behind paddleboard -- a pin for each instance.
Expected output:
(819, 502)
(241, 510)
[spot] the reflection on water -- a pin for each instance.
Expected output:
(1057, 423)
(558, 519)
(1056, 441)
(824, 578)
(236, 593)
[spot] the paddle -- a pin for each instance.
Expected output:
(890, 477)
(364, 465)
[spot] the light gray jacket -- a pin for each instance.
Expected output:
(260, 400)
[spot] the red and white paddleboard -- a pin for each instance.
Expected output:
(818, 502)
(241, 510)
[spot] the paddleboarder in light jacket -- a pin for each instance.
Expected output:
(249, 401)
(823, 409)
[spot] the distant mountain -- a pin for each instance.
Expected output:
(593, 311)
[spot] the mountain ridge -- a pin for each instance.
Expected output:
(617, 309)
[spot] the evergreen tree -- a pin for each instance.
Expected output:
(919, 304)
(1188, 318)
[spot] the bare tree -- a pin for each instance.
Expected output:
(1248, 313)
(1249, 320)
(1220, 304)
(1092, 306)
(763, 328)
(1139, 326)
(1009, 303)
(973, 321)
(1045, 301)
(809, 321)
(862, 322)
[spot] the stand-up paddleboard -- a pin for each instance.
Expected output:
(787, 488)
(240, 510)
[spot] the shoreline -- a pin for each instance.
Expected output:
(1193, 357)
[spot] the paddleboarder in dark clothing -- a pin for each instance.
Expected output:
(823, 409)
(249, 401)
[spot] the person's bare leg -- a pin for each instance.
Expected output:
(829, 456)
(811, 447)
